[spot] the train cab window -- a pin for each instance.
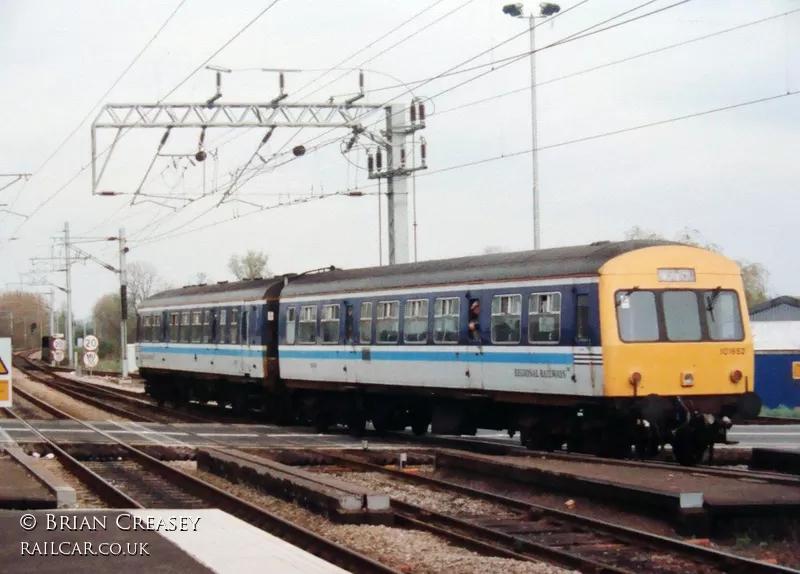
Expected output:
(582, 318)
(307, 325)
(291, 325)
(348, 325)
(206, 326)
(365, 324)
(722, 315)
(186, 328)
(415, 324)
(174, 329)
(636, 315)
(223, 325)
(233, 325)
(388, 321)
(681, 315)
(329, 324)
(506, 318)
(544, 318)
(445, 320)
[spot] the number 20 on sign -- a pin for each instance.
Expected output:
(5, 372)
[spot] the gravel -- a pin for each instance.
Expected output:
(84, 496)
(62, 401)
(405, 550)
(451, 503)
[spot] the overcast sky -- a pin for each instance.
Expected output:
(732, 175)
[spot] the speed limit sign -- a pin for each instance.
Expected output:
(59, 344)
(58, 356)
(90, 343)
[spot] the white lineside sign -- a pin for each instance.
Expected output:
(5, 372)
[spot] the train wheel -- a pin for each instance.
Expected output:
(420, 427)
(356, 424)
(688, 448)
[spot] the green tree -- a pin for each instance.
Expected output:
(106, 316)
(252, 265)
(754, 275)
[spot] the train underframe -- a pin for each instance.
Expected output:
(610, 427)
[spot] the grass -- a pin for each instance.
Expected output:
(782, 411)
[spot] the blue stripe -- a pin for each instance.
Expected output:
(218, 351)
(435, 356)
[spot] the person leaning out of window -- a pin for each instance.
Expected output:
(474, 321)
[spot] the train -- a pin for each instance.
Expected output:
(612, 348)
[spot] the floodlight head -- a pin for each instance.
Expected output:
(548, 8)
(200, 156)
(513, 10)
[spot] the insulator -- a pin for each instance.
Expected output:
(200, 156)
(299, 150)
(403, 156)
(282, 82)
(164, 138)
(421, 112)
(413, 111)
(219, 82)
(423, 147)
(361, 80)
(370, 163)
(379, 159)
(202, 136)
(267, 135)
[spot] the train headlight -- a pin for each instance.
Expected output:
(687, 380)
(736, 376)
(635, 379)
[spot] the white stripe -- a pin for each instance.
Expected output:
(226, 434)
(444, 288)
(762, 434)
(5, 437)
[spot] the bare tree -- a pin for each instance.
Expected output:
(252, 265)
(202, 278)
(143, 281)
(754, 275)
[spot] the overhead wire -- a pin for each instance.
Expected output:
(173, 90)
(340, 193)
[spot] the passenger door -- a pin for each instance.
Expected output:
(584, 369)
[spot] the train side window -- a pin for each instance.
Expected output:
(156, 337)
(445, 320)
(142, 330)
(329, 324)
(544, 318)
(206, 326)
(186, 327)
(365, 323)
(234, 323)
(415, 323)
(223, 325)
(291, 325)
(174, 329)
(197, 326)
(506, 318)
(307, 325)
(245, 332)
(582, 318)
(636, 316)
(388, 321)
(348, 325)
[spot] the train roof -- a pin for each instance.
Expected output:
(217, 293)
(579, 260)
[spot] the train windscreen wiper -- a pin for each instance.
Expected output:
(712, 300)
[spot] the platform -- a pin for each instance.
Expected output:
(212, 542)
(19, 489)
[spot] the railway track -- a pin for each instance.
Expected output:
(569, 540)
(119, 403)
(496, 448)
(142, 481)
(25, 405)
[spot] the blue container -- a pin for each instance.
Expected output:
(774, 382)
